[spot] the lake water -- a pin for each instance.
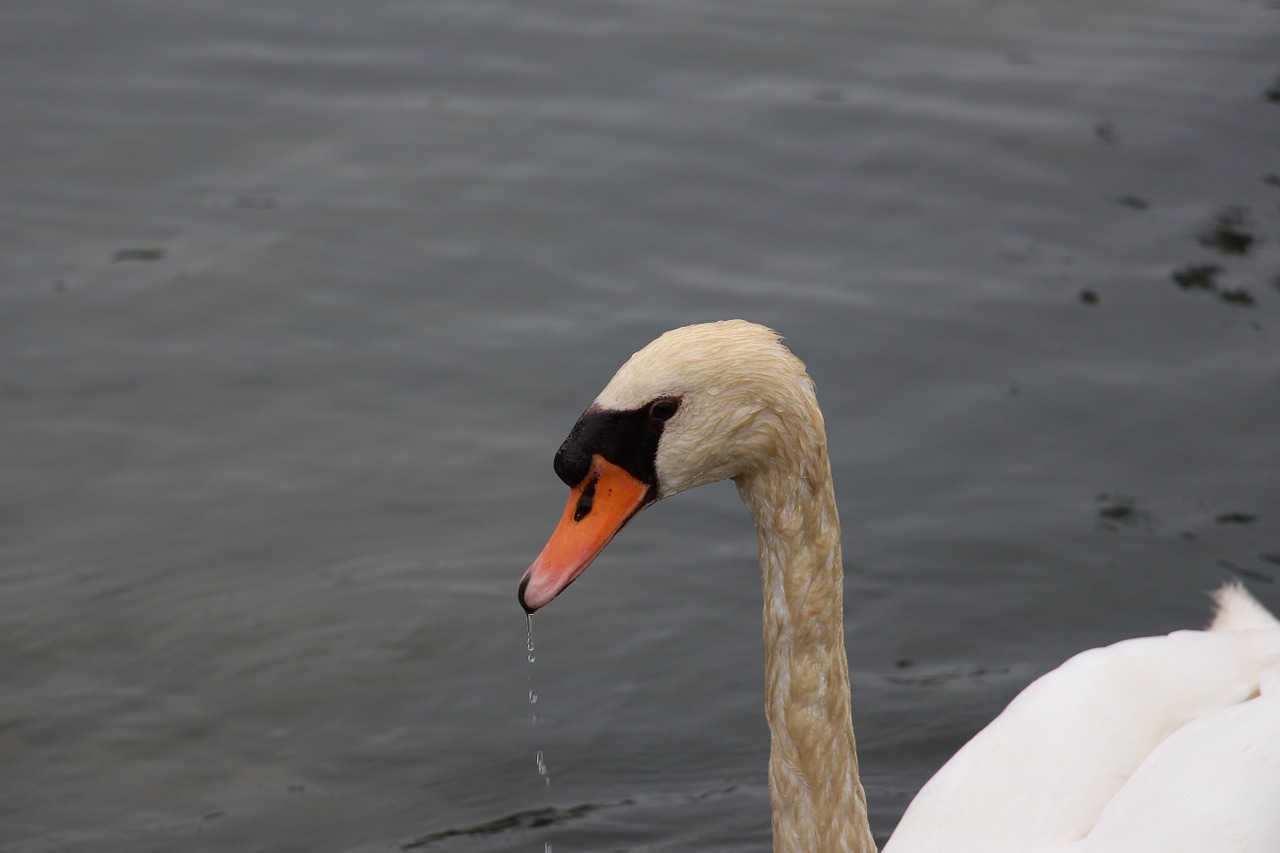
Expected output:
(299, 299)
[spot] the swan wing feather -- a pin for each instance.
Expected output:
(1045, 772)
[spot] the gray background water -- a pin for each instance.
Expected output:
(299, 298)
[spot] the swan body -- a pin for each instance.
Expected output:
(1158, 743)
(1167, 744)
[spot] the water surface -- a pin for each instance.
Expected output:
(298, 300)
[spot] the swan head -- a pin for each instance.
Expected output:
(698, 405)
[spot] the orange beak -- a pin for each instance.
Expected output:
(598, 508)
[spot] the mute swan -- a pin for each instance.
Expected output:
(1168, 744)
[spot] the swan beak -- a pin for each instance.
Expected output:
(606, 499)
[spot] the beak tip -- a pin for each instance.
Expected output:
(524, 585)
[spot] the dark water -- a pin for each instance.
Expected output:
(298, 299)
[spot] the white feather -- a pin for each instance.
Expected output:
(1116, 743)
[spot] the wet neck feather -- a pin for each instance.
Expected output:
(818, 801)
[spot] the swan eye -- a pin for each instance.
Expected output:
(661, 410)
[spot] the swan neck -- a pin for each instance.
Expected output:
(817, 798)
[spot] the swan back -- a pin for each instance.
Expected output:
(1175, 736)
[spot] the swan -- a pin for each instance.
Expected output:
(1167, 744)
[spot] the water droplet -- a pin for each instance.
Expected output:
(540, 759)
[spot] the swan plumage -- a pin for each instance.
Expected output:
(1167, 744)
(1112, 749)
